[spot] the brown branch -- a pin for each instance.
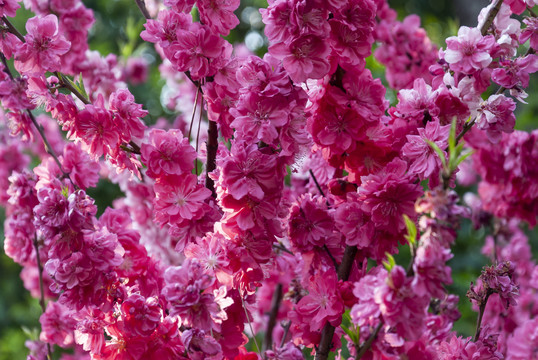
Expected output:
(368, 343)
(67, 84)
(490, 16)
(327, 333)
(142, 6)
(212, 147)
(41, 288)
(275, 306)
(12, 29)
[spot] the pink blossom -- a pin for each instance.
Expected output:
(168, 153)
(199, 51)
(141, 315)
(179, 196)
(516, 72)
(19, 235)
(424, 160)
(400, 306)
(496, 115)
(530, 32)
(258, 118)
(57, 325)
(163, 31)
(136, 70)
(388, 195)
(81, 169)
(43, 47)
(9, 8)
(304, 57)
(310, 223)
(353, 222)
(323, 302)
(89, 330)
(219, 14)
(277, 20)
(189, 295)
(122, 103)
(523, 341)
(96, 129)
(351, 45)
(469, 51)
(200, 346)
(247, 171)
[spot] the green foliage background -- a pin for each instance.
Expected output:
(117, 28)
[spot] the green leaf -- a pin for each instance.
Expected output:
(439, 152)
(389, 263)
(463, 157)
(411, 230)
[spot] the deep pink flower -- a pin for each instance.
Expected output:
(245, 170)
(168, 153)
(57, 325)
(189, 295)
(89, 330)
(218, 14)
(122, 103)
(277, 20)
(259, 118)
(323, 302)
(305, 57)
(199, 51)
(81, 169)
(496, 115)
(141, 315)
(179, 196)
(516, 72)
(353, 222)
(310, 223)
(522, 343)
(351, 45)
(163, 31)
(96, 129)
(388, 195)
(19, 236)
(530, 32)
(9, 8)
(43, 47)
(200, 346)
(423, 159)
(469, 51)
(400, 306)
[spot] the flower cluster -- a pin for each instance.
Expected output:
(310, 182)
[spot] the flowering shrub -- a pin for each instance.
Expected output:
(280, 224)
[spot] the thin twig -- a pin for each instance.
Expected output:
(331, 256)
(286, 331)
(194, 111)
(327, 333)
(67, 84)
(490, 16)
(316, 182)
(480, 315)
(368, 343)
(273, 314)
(250, 325)
(142, 6)
(212, 147)
(12, 29)
(41, 288)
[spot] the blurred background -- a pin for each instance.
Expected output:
(117, 28)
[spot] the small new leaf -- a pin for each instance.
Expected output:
(389, 263)
(411, 230)
(439, 152)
